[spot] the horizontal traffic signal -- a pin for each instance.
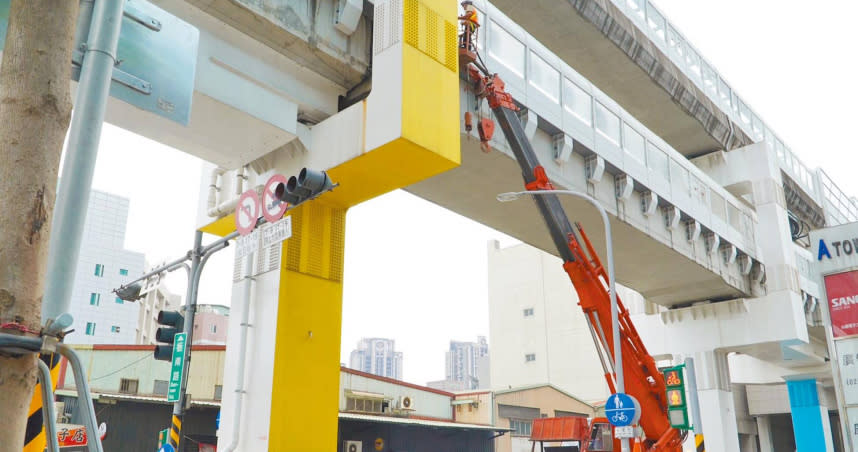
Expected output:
(307, 185)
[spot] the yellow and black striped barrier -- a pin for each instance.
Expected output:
(698, 441)
(34, 438)
(175, 431)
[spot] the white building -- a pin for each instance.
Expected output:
(539, 334)
(377, 356)
(100, 317)
(156, 300)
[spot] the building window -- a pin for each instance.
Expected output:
(528, 312)
(213, 329)
(123, 272)
(119, 300)
(363, 405)
(160, 387)
(128, 386)
(95, 299)
(90, 328)
(520, 427)
(218, 392)
(530, 357)
(99, 270)
(114, 329)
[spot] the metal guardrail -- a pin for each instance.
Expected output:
(557, 93)
(838, 207)
(47, 344)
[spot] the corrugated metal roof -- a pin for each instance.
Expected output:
(541, 385)
(420, 422)
(136, 398)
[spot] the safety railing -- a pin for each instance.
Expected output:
(557, 93)
(838, 207)
(11, 343)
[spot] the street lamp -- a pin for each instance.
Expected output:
(615, 324)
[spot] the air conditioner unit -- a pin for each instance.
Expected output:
(406, 403)
(352, 446)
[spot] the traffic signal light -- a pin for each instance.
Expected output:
(173, 323)
(677, 408)
(307, 185)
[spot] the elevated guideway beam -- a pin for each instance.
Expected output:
(681, 236)
(632, 51)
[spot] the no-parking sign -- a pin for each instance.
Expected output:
(247, 212)
(272, 207)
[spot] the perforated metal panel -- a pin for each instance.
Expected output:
(317, 242)
(387, 29)
(424, 29)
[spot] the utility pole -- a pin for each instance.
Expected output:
(35, 108)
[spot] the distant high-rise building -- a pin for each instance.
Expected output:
(377, 356)
(100, 317)
(467, 366)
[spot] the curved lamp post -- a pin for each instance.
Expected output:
(615, 324)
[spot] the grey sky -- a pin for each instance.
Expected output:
(417, 273)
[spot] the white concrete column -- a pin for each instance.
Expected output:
(716, 402)
(764, 431)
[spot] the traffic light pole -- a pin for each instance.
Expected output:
(199, 256)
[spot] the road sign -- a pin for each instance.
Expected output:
(272, 207)
(178, 367)
(247, 212)
(624, 432)
(247, 244)
(167, 448)
(622, 410)
(158, 52)
(276, 232)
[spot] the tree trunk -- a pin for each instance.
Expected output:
(35, 107)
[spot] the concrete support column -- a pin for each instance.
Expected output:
(764, 431)
(716, 401)
(810, 423)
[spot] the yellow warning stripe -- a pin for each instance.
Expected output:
(34, 437)
(175, 431)
(698, 440)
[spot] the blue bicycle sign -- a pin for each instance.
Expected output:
(622, 410)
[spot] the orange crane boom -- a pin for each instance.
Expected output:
(580, 261)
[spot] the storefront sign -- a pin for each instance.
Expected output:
(842, 292)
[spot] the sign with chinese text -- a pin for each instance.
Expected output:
(847, 361)
(177, 367)
(71, 435)
(842, 292)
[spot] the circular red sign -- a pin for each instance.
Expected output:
(247, 212)
(272, 207)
